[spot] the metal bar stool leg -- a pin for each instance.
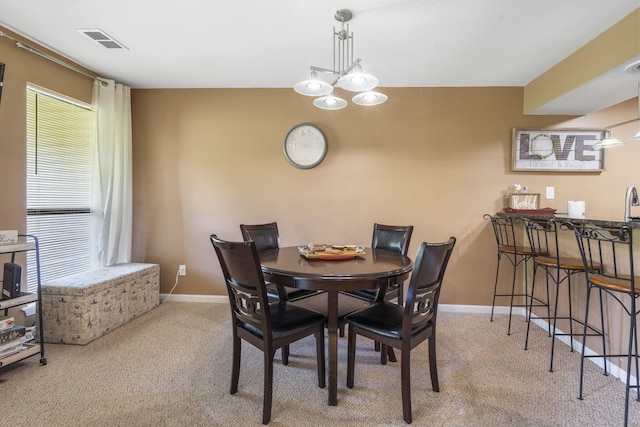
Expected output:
(555, 320)
(533, 287)
(513, 290)
(584, 339)
(495, 286)
(570, 303)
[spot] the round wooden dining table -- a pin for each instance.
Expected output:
(377, 268)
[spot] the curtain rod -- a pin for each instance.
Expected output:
(44, 55)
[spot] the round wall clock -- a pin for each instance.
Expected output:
(305, 146)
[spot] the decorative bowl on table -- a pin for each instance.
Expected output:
(331, 252)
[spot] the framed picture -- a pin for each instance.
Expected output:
(556, 150)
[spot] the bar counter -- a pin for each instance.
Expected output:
(599, 222)
(617, 333)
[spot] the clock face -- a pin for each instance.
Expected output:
(305, 146)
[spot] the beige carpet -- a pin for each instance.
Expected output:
(171, 367)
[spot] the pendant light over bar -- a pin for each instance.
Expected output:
(609, 140)
(346, 74)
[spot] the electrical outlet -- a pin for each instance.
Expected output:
(551, 193)
(182, 270)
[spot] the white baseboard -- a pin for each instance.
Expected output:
(194, 298)
(612, 369)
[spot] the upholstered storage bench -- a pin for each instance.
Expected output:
(78, 309)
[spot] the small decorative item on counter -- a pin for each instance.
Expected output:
(576, 208)
(524, 200)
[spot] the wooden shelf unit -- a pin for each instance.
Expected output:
(29, 243)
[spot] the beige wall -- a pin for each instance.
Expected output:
(22, 67)
(206, 160)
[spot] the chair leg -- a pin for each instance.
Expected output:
(285, 354)
(533, 288)
(513, 290)
(391, 355)
(495, 287)
(433, 366)
(235, 368)
(570, 311)
(604, 341)
(405, 379)
(555, 321)
(268, 386)
(584, 338)
(320, 358)
(632, 345)
(383, 354)
(351, 356)
(635, 354)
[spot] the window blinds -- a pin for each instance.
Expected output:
(59, 147)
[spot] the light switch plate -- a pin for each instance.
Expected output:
(551, 193)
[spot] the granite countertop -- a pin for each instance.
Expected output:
(561, 217)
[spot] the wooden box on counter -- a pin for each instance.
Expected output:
(524, 201)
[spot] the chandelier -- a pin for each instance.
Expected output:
(346, 74)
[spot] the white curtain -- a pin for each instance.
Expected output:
(112, 186)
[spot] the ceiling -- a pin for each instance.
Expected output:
(272, 44)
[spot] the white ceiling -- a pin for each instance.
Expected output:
(272, 44)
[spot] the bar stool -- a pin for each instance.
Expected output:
(516, 253)
(543, 238)
(607, 256)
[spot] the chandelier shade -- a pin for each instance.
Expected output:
(609, 140)
(330, 102)
(346, 74)
(313, 86)
(357, 82)
(369, 98)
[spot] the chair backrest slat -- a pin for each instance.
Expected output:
(543, 236)
(609, 250)
(421, 303)
(245, 282)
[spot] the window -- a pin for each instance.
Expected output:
(59, 175)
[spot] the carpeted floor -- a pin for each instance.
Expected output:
(171, 367)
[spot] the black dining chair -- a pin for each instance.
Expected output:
(266, 236)
(394, 238)
(607, 256)
(263, 324)
(404, 327)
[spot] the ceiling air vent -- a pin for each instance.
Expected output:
(102, 38)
